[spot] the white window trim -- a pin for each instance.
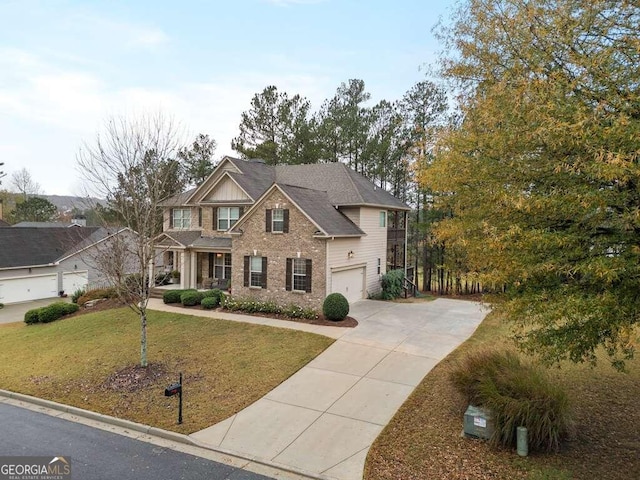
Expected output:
(280, 220)
(252, 271)
(227, 217)
(302, 261)
(179, 223)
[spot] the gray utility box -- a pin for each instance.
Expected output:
(478, 423)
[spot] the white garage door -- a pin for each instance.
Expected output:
(34, 287)
(72, 281)
(349, 283)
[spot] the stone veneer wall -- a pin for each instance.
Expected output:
(277, 247)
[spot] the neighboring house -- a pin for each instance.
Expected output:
(39, 262)
(286, 233)
(75, 222)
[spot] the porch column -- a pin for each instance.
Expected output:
(193, 270)
(183, 270)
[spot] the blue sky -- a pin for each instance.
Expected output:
(65, 66)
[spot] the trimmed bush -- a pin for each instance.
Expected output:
(392, 284)
(215, 294)
(335, 307)
(190, 298)
(50, 313)
(172, 296)
(32, 316)
(209, 303)
(250, 305)
(162, 278)
(516, 394)
(77, 294)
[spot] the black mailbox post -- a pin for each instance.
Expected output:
(176, 389)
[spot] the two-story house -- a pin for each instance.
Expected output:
(286, 233)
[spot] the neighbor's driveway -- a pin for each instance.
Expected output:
(15, 312)
(323, 419)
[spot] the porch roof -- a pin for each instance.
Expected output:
(192, 239)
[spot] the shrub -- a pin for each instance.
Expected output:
(50, 313)
(335, 307)
(516, 394)
(209, 303)
(77, 294)
(172, 296)
(296, 311)
(1, 306)
(214, 294)
(392, 284)
(32, 316)
(162, 278)
(189, 298)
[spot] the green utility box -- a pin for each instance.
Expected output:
(478, 423)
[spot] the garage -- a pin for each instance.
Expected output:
(349, 283)
(33, 287)
(76, 280)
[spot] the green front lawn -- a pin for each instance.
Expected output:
(89, 361)
(423, 440)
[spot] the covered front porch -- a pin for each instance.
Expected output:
(194, 261)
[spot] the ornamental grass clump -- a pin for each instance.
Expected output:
(517, 394)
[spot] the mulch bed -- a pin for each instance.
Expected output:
(109, 303)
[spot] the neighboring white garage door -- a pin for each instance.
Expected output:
(72, 281)
(349, 283)
(34, 287)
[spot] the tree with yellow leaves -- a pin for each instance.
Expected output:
(542, 174)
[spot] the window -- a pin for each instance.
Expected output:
(255, 272)
(277, 219)
(298, 275)
(227, 217)
(181, 218)
(200, 217)
(383, 219)
(222, 266)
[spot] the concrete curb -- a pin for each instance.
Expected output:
(153, 431)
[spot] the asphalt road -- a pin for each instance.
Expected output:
(99, 455)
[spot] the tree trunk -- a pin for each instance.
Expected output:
(143, 337)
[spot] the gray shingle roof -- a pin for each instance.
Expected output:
(256, 176)
(194, 238)
(29, 246)
(43, 224)
(316, 204)
(177, 200)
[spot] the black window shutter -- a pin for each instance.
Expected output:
(289, 273)
(171, 218)
(308, 276)
(211, 260)
(199, 216)
(268, 221)
(264, 272)
(285, 226)
(247, 272)
(214, 218)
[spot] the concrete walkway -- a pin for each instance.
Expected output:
(323, 419)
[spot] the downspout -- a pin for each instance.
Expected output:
(406, 238)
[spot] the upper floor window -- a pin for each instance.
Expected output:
(227, 217)
(383, 219)
(277, 220)
(181, 218)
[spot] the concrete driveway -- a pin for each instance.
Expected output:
(323, 419)
(15, 312)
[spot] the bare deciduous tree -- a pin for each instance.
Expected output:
(24, 183)
(128, 165)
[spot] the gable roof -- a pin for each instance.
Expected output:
(45, 224)
(344, 186)
(33, 246)
(315, 204)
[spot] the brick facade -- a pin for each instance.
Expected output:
(277, 247)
